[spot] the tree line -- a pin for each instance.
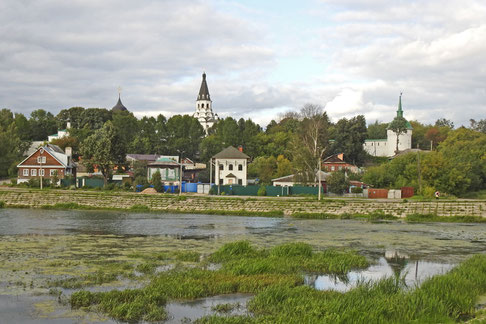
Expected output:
(294, 142)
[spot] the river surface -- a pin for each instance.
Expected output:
(412, 251)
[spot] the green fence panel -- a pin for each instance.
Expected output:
(298, 190)
(275, 191)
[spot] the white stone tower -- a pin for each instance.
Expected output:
(204, 111)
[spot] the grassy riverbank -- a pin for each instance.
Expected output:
(456, 210)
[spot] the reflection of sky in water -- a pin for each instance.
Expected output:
(181, 311)
(414, 272)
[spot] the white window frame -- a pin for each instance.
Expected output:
(52, 172)
(41, 159)
(42, 172)
(25, 172)
(33, 172)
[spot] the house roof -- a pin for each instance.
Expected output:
(204, 91)
(288, 178)
(143, 157)
(231, 153)
(164, 161)
(56, 152)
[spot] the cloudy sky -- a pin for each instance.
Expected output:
(262, 58)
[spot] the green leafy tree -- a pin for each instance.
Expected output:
(443, 122)
(73, 115)
(337, 182)
(157, 182)
(349, 138)
(377, 130)
(399, 126)
(42, 124)
(94, 118)
(309, 142)
(11, 149)
(104, 150)
(184, 134)
(126, 125)
(479, 126)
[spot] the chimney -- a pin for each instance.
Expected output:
(240, 148)
(69, 151)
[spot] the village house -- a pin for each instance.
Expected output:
(170, 168)
(231, 166)
(336, 162)
(48, 162)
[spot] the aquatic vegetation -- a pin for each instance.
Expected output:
(371, 216)
(446, 219)
(69, 205)
(97, 278)
(442, 299)
(225, 308)
(140, 207)
(126, 305)
(245, 270)
(2, 204)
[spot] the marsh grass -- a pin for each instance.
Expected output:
(425, 218)
(372, 216)
(92, 279)
(447, 298)
(2, 204)
(140, 207)
(245, 269)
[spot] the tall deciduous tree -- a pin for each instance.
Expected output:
(42, 124)
(349, 136)
(310, 141)
(104, 150)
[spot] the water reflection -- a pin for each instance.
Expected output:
(181, 312)
(413, 273)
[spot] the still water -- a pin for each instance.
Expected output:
(411, 251)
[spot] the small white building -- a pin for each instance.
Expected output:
(61, 133)
(387, 146)
(231, 167)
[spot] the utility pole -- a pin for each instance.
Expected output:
(319, 177)
(180, 171)
(419, 170)
(40, 163)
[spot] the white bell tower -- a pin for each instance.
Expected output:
(204, 110)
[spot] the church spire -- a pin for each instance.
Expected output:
(203, 91)
(204, 111)
(400, 111)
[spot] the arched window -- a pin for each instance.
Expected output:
(202, 105)
(230, 167)
(240, 167)
(221, 167)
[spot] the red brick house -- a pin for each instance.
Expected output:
(336, 162)
(45, 162)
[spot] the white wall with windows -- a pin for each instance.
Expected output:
(231, 171)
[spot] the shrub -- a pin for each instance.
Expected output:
(356, 190)
(262, 191)
(157, 182)
(2, 204)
